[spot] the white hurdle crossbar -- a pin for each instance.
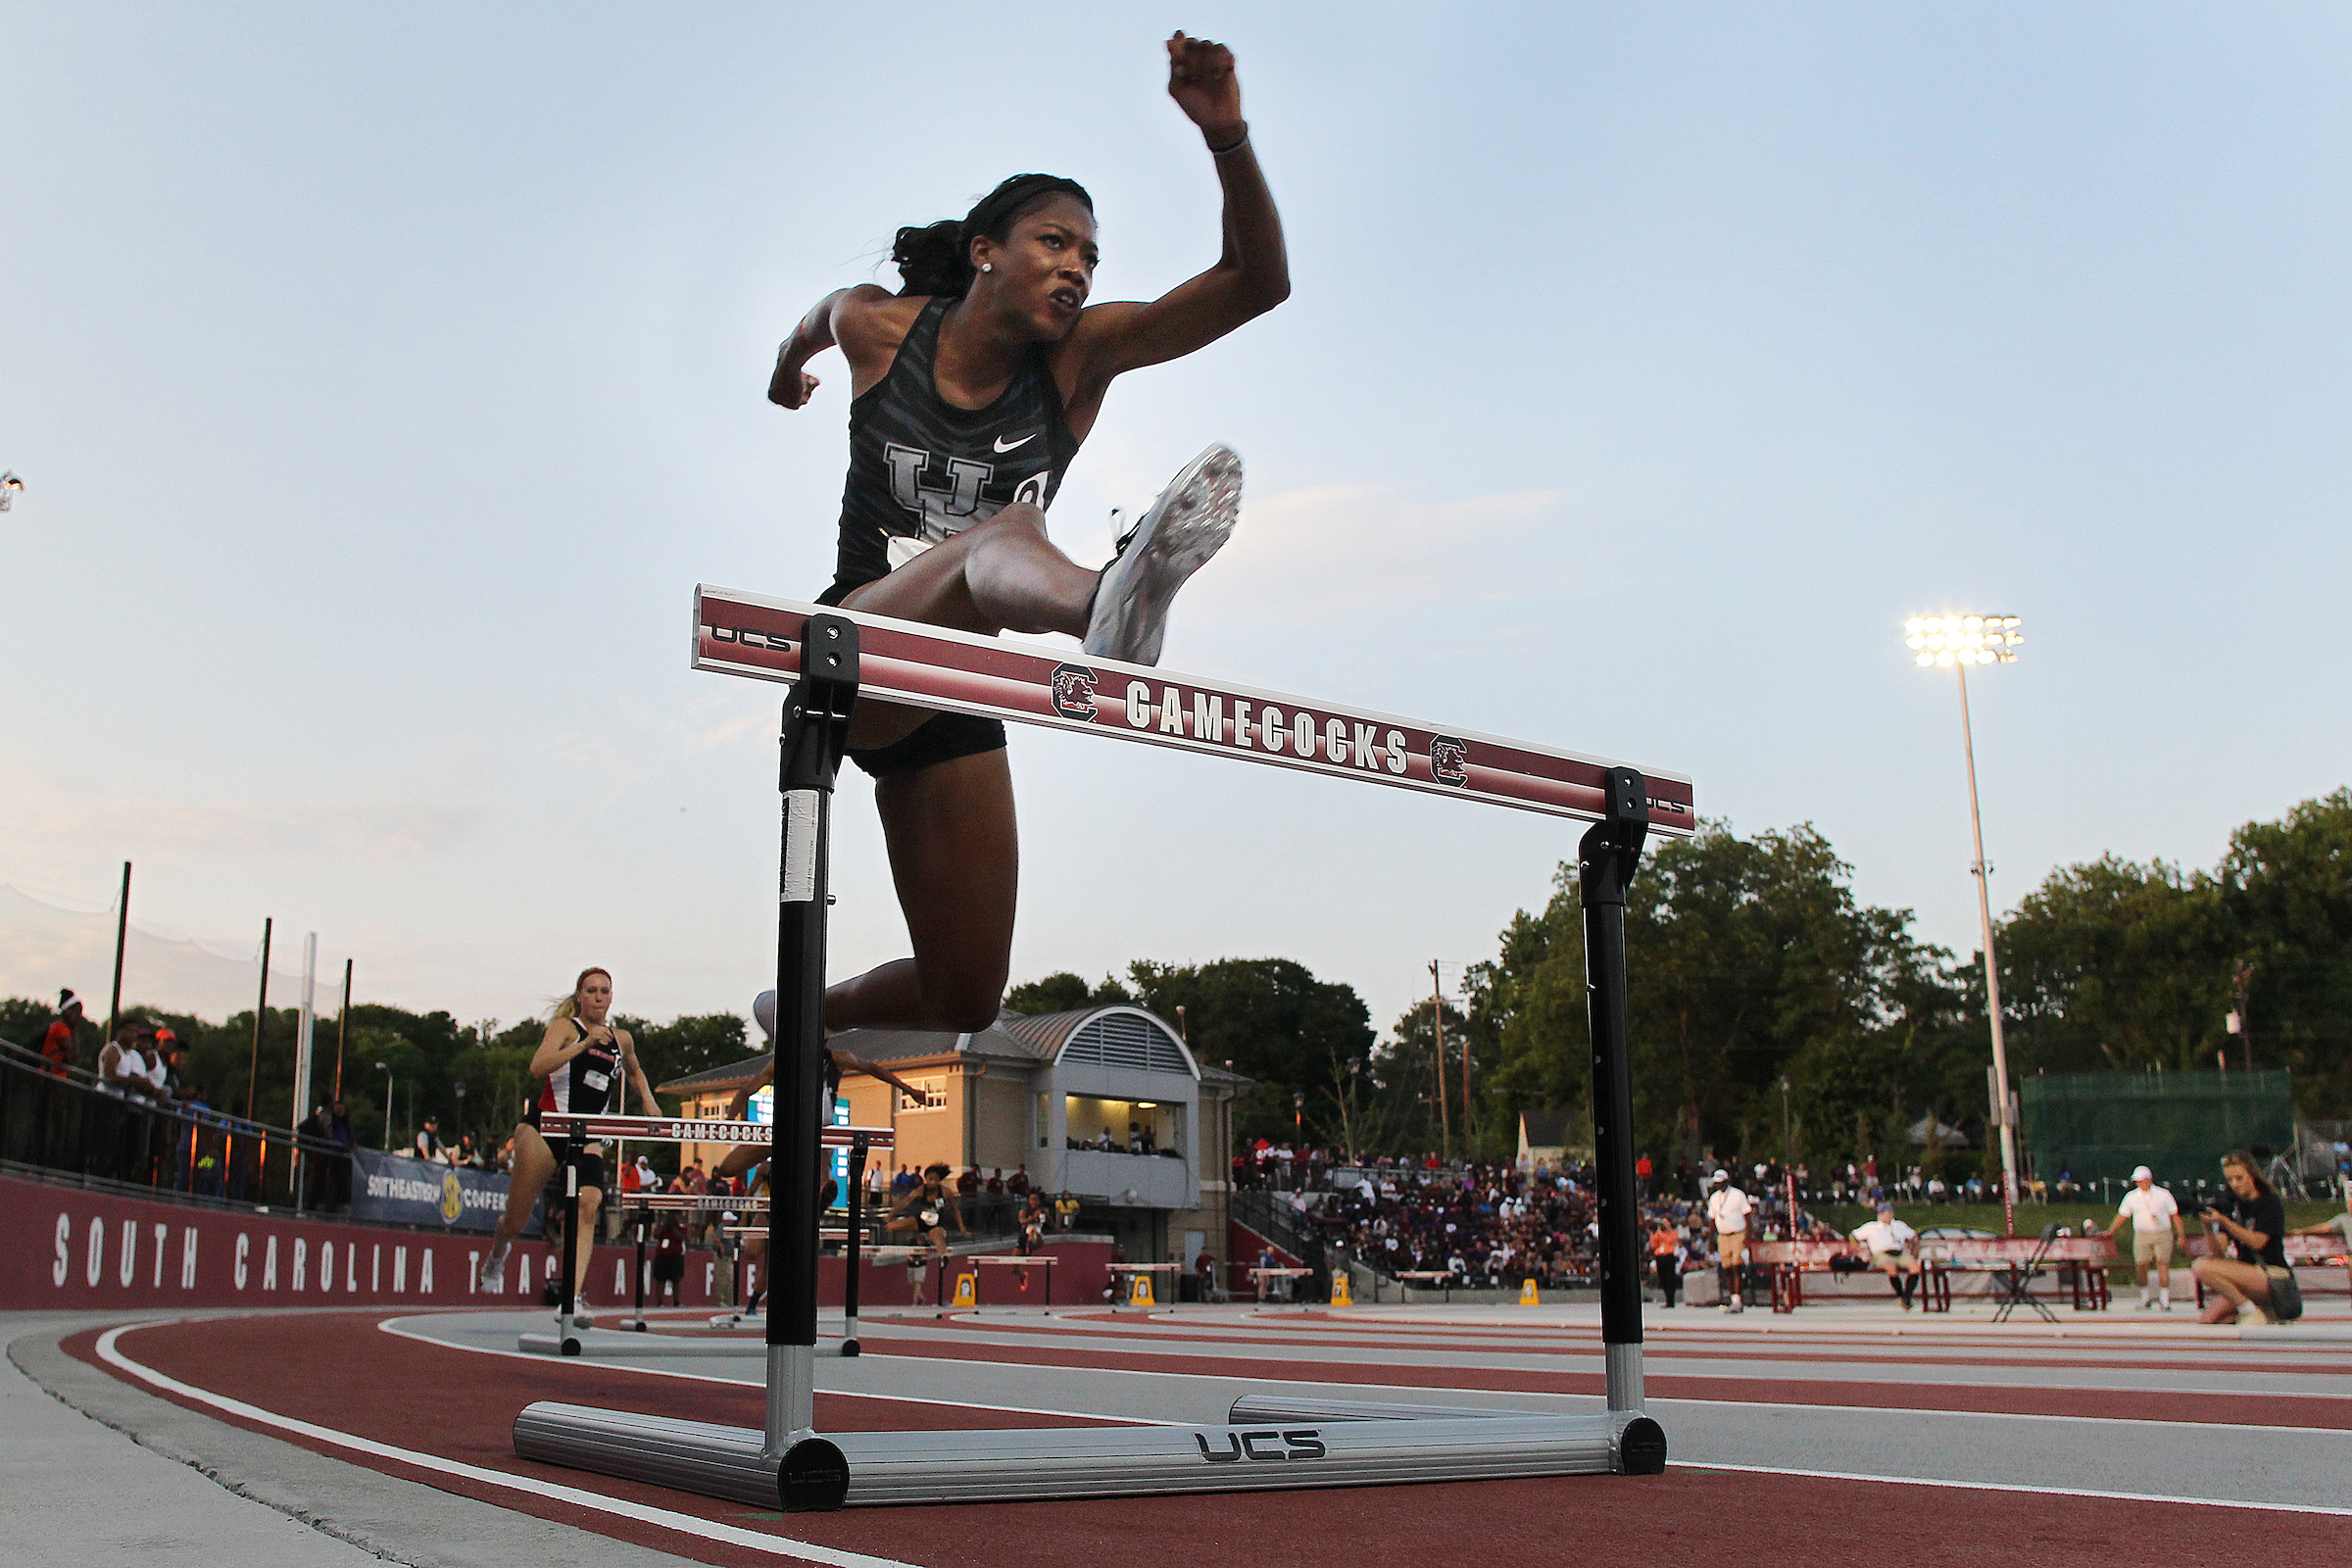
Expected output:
(832, 657)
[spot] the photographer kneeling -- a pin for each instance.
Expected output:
(2257, 1285)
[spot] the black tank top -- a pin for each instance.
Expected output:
(922, 469)
(584, 1086)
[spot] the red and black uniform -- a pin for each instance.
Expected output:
(922, 470)
(588, 1085)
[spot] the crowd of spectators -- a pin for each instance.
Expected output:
(1492, 1224)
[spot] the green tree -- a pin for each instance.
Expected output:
(1065, 993)
(2113, 966)
(2286, 893)
(1272, 1020)
(1745, 954)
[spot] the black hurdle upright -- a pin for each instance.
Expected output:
(1605, 862)
(816, 726)
(568, 1340)
(644, 1222)
(853, 1247)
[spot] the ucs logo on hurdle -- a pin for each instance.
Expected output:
(1303, 1444)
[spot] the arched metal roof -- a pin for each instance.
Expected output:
(1110, 1037)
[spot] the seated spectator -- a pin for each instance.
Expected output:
(1891, 1246)
(969, 1181)
(1018, 1183)
(995, 1182)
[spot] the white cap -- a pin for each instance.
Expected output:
(1719, 1176)
(2141, 1173)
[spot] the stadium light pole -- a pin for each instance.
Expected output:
(1954, 643)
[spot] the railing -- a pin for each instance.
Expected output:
(66, 1122)
(1275, 1220)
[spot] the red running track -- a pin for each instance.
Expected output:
(338, 1370)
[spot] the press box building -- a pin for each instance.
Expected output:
(1026, 1089)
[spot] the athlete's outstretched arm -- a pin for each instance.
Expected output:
(1252, 275)
(836, 320)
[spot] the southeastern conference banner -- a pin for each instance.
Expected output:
(420, 1192)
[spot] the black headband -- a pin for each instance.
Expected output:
(1014, 194)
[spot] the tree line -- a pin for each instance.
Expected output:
(1773, 1015)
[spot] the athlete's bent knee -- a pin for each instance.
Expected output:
(970, 1012)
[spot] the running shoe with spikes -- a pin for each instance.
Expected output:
(492, 1277)
(1188, 524)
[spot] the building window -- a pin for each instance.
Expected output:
(934, 1095)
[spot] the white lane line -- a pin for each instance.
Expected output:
(1907, 1411)
(2002, 1485)
(390, 1325)
(1661, 1363)
(684, 1524)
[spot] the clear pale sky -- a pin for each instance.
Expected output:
(383, 379)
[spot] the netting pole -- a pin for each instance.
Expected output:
(1605, 862)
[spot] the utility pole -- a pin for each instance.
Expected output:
(1465, 1080)
(113, 1011)
(260, 1012)
(342, 1028)
(1436, 1018)
(2241, 1023)
(1992, 976)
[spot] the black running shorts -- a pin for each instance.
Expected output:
(942, 738)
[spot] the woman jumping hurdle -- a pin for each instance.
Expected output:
(582, 1062)
(971, 391)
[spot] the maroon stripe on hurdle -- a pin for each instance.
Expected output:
(739, 634)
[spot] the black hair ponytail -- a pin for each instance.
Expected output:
(937, 258)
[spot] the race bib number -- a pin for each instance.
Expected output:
(596, 1080)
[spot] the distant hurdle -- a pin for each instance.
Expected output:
(832, 657)
(570, 1137)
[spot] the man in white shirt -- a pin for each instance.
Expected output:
(1888, 1243)
(1728, 1206)
(2155, 1230)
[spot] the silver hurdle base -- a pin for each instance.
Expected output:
(873, 1469)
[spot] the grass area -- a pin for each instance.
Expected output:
(2030, 1218)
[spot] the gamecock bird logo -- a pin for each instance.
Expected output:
(1448, 760)
(1074, 691)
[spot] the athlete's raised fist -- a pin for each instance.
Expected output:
(790, 388)
(1200, 80)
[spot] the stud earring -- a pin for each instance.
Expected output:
(988, 267)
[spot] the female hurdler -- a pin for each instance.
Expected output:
(971, 391)
(582, 1063)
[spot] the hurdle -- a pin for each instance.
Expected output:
(570, 1137)
(1018, 1262)
(832, 657)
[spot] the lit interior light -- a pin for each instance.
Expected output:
(1925, 660)
(1944, 658)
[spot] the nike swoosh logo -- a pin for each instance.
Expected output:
(1003, 445)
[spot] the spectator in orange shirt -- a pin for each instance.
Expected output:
(58, 1044)
(1666, 1254)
